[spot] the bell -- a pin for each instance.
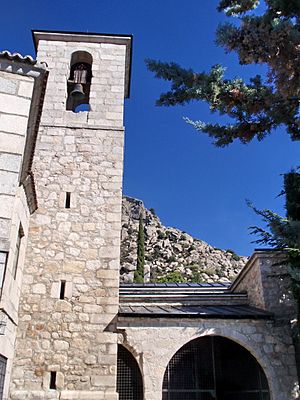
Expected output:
(78, 92)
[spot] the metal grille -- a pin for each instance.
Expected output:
(129, 378)
(2, 374)
(214, 368)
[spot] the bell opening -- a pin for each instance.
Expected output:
(79, 82)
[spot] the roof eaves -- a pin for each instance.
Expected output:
(24, 59)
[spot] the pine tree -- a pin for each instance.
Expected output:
(139, 272)
(256, 107)
(284, 232)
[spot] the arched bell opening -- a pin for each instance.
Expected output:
(214, 368)
(79, 82)
(129, 377)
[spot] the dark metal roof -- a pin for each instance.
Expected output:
(194, 311)
(175, 285)
(19, 58)
(196, 293)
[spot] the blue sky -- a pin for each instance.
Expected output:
(191, 184)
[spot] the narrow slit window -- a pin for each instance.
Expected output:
(3, 264)
(53, 380)
(17, 251)
(68, 199)
(62, 289)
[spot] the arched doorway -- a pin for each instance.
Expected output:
(129, 378)
(214, 368)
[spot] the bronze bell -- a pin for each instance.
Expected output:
(78, 92)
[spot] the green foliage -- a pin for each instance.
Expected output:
(218, 249)
(233, 254)
(235, 7)
(161, 235)
(156, 253)
(256, 107)
(196, 277)
(139, 272)
(292, 191)
(149, 257)
(172, 277)
(284, 233)
(152, 210)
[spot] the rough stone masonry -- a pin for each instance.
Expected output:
(66, 340)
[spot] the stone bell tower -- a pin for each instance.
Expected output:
(66, 347)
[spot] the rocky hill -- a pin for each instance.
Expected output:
(170, 254)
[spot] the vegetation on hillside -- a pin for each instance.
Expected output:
(139, 272)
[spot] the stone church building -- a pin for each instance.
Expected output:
(67, 330)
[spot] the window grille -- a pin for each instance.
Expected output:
(129, 378)
(214, 368)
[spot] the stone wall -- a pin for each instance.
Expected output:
(15, 101)
(16, 91)
(107, 86)
(272, 290)
(153, 342)
(80, 154)
(12, 282)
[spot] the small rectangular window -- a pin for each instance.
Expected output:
(68, 200)
(62, 289)
(17, 251)
(53, 380)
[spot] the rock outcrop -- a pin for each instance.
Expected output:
(171, 254)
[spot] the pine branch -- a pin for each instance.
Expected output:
(256, 108)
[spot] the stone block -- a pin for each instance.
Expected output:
(60, 345)
(96, 318)
(60, 380)
(92, 309)
(55, 290)
(69, 290)
(11, 143)
(63, 306)
(13, 124)
(103, 380)
(82, 395)
(8, 182)
(25, 89)
(14, 105)
(39, 288)
(115, 396)
(73, 266)
(90, 360)
(75, 327)
(9, 162)
(7, 85)
(6, 208)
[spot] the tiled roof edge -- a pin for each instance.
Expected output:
(19, 58)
